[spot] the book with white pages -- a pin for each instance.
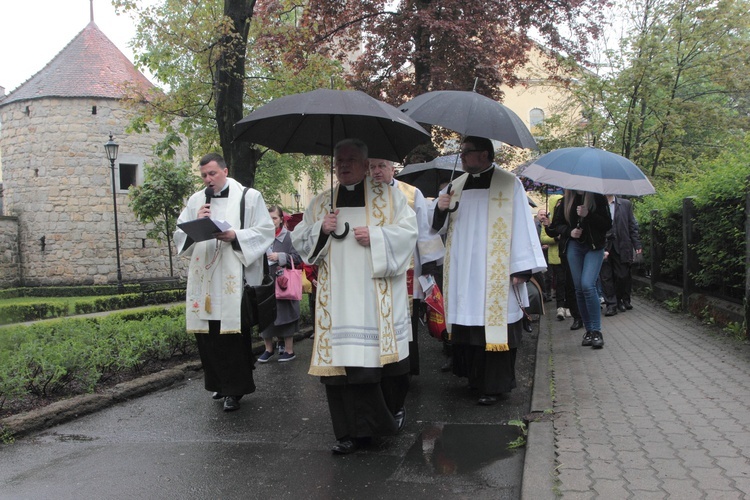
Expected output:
(204, 228)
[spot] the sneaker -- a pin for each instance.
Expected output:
(567, 313)
(287, 356)
(597, 341)
(265, 357)
(560, 313)
(587, 337)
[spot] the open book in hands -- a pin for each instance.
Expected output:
(204, 229)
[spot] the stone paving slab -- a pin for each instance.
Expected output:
(663, 410)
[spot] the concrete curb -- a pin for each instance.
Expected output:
(84, 404)
(539, 464)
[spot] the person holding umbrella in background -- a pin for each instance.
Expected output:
(583, 220)
(361, 343)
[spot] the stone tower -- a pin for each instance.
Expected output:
(56, 175)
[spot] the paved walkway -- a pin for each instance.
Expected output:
(662, 411)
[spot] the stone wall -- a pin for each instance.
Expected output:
(9, 255)
(57, 183)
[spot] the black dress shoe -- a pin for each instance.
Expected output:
(400, 417)
(627, 305)
(621, 306)
(611, 310)
(577, 324)
(232, 403)
(487, 400)
(217, 396)
(345, 446)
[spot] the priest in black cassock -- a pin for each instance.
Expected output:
(491, 250)
(362, 322)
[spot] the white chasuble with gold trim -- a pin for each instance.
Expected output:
(490, 237)
(361, 314)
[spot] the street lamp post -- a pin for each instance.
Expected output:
(111, 148)
(297, 197)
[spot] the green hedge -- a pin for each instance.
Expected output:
(66, 291)
(17, 313)
(70, 356)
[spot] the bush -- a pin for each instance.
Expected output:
(70, 356)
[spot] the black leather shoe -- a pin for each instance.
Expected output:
(621, 306)
(627, 305)
(577, 324)
(597, 341)
(231, 403)
(217, 396)
(400, 417)
(345, 446)
(586, 341)
(487, 400)
(611, 311)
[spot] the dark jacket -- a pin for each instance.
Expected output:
(623, 238)
(595, 225)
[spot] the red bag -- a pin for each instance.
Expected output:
(289, 283)
(435, 312)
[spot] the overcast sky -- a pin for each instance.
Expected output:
(33, 32)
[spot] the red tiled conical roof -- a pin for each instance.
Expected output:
(89, 66)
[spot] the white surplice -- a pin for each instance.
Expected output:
(467, 274)
(362, 310)
(216, 271)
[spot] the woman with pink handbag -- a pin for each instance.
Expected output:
(285, 265)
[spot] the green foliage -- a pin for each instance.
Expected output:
(676, 94)
(520, 441)
(71, 356)
(718, 190)
(674, 305)
(20, 312)
(65, 291)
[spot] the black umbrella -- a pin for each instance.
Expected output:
(428, 176)
(313, 122)
(469, 113)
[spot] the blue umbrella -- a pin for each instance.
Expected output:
(589, 169)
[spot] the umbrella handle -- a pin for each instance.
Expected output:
(455, 207)
(342, 235)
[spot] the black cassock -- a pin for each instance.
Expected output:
(363, 401)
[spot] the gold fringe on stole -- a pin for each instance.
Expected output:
(497, 347)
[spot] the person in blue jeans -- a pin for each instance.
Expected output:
(583, 218)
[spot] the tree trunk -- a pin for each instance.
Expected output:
(230, 90)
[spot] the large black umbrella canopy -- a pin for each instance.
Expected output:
(470, 113)
(313, 122)
(428, 176)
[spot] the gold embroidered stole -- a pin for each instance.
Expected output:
(379, 210)
(497, 281)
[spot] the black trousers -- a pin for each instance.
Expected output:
(227, 359)
(617, 282)
(414, 344)
(363, 401)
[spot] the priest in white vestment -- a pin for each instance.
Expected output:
(218, 269)
(362, 323)
(492, 249)
(428, 254)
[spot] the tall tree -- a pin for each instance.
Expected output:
(396, 50)
(678, 92)
(160, 199)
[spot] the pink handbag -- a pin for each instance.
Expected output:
(289, 283)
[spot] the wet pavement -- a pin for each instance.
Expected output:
(178, 443)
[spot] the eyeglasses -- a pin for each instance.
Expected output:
(467, 151)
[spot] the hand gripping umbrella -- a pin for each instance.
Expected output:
(469, 113)
(589, 169)
(313, 122)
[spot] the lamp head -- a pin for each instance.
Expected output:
(111, 148)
